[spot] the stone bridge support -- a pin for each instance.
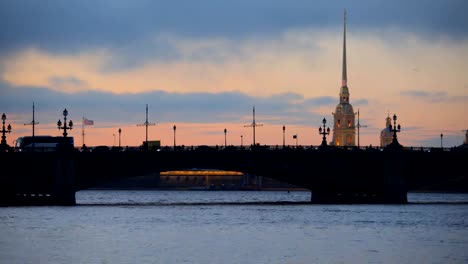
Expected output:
(63, 191)
(394, 176)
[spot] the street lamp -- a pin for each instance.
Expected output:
(120, 132)
(225, 142)
(174, 127)
(284, 130)
(65, 127)
(7, 130)
(441, 145)
(324, 132)
(242, 140)
(394, 129)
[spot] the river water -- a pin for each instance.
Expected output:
(235, 227)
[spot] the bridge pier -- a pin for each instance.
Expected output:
(395, 190)
(322, 197)
(63, 191)
(382, 180)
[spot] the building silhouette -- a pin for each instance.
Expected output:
(344, 130)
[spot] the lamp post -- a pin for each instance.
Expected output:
(174, 127)
(242, 140)
(65, 127)
(284, 131)
(120, 132)
(7, 130)
(324, 132)
(394, 129)
(441, 145)
(225, 141)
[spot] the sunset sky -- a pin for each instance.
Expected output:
(202, 66)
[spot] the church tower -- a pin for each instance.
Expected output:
(344, 130)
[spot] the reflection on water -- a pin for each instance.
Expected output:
(189, 197)
(234, 227)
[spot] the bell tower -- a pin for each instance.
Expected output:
(344, 130)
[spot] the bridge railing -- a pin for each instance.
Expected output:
(262, 147)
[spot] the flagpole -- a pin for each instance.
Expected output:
(82, 126)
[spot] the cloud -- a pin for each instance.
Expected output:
(434, 97)
(304, 61)
(323, 100)
(423, 94)
(199, 107)
(66, 27)
(69, 83)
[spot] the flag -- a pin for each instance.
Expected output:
(88, 122)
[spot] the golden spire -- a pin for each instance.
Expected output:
(344, 80)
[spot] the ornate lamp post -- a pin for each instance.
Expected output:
(225, 141)
(174, 127)
(65, 127)
(324, 132)
(284, 131)
(394, 129)
(7, 130)
(120, 132)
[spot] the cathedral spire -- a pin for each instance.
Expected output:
(344, 129)
(344, 79)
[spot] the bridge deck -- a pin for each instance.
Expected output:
(332, 174)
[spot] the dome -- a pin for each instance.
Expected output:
(344, 108)
(386, 135)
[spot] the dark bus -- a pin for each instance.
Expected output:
(40, 143)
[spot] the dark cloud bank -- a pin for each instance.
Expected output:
(71, 26)
(286, 108)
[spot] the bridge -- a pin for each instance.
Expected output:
(332, 174)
